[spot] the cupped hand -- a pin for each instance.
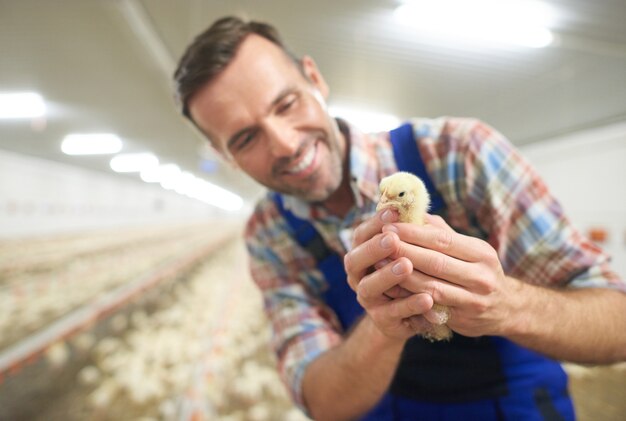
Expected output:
(373, 248)
(458, 271)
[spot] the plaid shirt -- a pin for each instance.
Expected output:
(490, 192)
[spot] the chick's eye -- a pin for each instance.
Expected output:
(401, 194)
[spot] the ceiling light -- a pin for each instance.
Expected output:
(367, 121)
(171, 177)
(21, 105)
(183, 182)
(216, 196)
(133, 162)
(518, 22)
(159, 174)
(91, 144)
(150, 175)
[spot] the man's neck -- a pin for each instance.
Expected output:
(342, 200)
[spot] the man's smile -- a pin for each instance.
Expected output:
(306, 164)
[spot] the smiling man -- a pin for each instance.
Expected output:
(522, 285)
(281, 134)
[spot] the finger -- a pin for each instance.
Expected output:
(382, 263)
(374, 285)
(442, 239)
(359, 260)
(443, 292)
(373, 226)
(437, 221)
(475, 277)
(401, 308)
(397, 291)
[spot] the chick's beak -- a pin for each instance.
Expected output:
(383, 201)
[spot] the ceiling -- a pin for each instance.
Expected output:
(106, 65)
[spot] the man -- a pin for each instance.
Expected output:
(520, 288)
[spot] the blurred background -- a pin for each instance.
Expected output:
(123, 294)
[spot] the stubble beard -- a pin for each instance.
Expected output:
(333, 173)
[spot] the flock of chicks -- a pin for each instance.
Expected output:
(199, 351)
(203, 355)
(41, 282)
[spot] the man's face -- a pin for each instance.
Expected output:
(262, 111)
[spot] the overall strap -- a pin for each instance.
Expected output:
(338, 295)
(409, 159)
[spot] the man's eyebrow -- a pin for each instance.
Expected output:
(281, 95)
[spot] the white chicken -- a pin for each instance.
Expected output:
(407, 194)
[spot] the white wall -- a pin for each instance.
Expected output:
(586, 171)
(44, 197)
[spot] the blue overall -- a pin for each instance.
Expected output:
(485, 378)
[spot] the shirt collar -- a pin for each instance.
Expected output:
(365, 168)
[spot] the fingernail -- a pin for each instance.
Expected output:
(386, 241)
(397, 269)
(387, 216)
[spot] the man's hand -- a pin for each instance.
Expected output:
(372, 248)
(461, 272)
(464, 273)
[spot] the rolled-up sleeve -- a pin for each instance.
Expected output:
(302, 326)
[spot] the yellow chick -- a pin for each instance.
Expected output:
(407, 194)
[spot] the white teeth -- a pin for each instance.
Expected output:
(306, 160)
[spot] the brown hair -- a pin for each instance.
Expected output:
(212, 50)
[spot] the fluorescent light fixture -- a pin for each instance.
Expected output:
(160, 174)
(133, 162)
(91, 144)
(169, 175)
(216, 196)
(21, 105)
(150, 175)
(197, 188)
(368, 121)
(182, 182)
(518, 22)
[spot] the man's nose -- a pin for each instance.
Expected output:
(283, 140)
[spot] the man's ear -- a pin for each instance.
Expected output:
(314, 76)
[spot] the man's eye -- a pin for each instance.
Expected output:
(286, 105)
(244, 141)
